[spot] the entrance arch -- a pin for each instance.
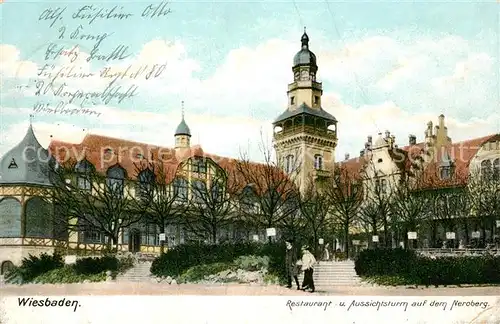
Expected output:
(6, 267)
(134, 241)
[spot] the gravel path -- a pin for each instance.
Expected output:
(129, 288)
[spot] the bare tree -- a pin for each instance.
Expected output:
(315, 208)
(162, 201)
(345, 195)
(92, 202)
(274, 191)
(483, 191)
(410, 206)
(376, 208)
(212, 207)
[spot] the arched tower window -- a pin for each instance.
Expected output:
(318, 162)
(10, 222)
(289, 163)
(496, 169)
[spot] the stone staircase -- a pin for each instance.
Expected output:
(328, 274)
(139, 273)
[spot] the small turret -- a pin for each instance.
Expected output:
(182, 133)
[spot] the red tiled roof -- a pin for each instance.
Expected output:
(129, 154)
(460, 153)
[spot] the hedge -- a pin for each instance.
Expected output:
(409, 267)
(48, 268)
(182, 257)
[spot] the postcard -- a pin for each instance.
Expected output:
(249, 161)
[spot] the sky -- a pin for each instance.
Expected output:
(384, 66)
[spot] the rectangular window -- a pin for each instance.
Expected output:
(199, 165)
(292, 100)
(316, 100)
(84, 183)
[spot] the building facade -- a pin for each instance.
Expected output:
(446, 173)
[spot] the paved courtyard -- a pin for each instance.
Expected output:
(130, 288)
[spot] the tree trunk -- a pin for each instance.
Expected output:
(162, 243)
(346, 237)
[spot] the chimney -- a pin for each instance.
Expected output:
(347, 156)
(361, 153)
(412, 139)
(387, 134)
(369, 139)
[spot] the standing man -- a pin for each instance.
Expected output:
(291, 264)
(308, 262)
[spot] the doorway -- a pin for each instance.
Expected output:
(134, 241)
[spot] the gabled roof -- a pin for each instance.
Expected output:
(305, 109)
(410, 157)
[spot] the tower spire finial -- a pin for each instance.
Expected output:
(31, 118)
(182, 107)
(304, 29)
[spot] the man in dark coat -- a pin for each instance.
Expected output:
(291, 264)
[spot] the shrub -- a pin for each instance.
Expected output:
(199, 272)
(409, 267)
(125, 263)
(33, 266)
(180, 258)
(96, 265)
(251, 262)
(68, 274)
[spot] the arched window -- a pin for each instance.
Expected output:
(318, 162)
(289, 163)
(383, 186)
(181, 189)
(115, 181)
(10, 219)
(199, 191)
(217, 191)
(496, 169)
(485, 168)
(83, 171)
(39, 218)
(145, 181)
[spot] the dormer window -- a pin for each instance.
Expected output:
(84, 171)
(139, 156)
(379, 161)
(108, 151)
(13, 164)
(445, 172)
